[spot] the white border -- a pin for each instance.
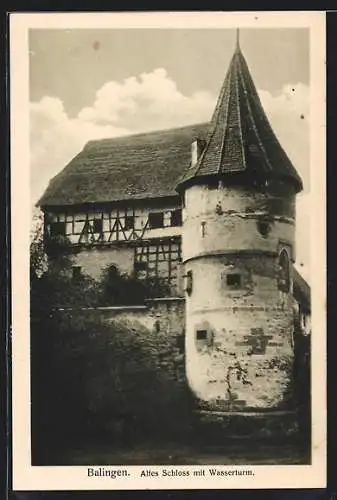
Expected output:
(26, 477)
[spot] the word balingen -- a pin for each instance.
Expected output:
(103, 472)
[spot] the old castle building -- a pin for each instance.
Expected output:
(205, 214)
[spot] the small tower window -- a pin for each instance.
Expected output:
(204, 336)
(218, 209)
(203, 229)
(233, 280)
(201, 334)
(284, 272)
(189, 282)
(264, 228)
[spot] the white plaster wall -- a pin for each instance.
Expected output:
(93, 261)
(233, 229)
(230, 313)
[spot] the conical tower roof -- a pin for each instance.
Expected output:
(241, 139)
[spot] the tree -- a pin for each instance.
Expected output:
(38, 256)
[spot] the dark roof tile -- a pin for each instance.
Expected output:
(131, 167)
(240, 137)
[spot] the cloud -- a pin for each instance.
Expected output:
(55, 139)
(149, 102)
(152, 101)
(288, 112)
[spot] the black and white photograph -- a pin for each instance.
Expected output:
(168, 290)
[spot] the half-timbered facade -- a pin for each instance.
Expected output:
(148, 239)
(116, 204)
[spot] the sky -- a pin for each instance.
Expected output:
(90, 84)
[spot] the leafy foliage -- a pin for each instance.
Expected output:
(92, 378)
(121, 289)
(38, 256)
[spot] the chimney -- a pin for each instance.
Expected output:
(196, 150)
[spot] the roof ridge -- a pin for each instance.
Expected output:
(143, 134)
(226, 117)
(251, 116)
(238, 110)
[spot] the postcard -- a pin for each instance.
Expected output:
(168, 250)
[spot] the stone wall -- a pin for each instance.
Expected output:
(159, 328)
(252, 376)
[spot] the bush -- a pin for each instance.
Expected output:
(90, 378)
(120, 289)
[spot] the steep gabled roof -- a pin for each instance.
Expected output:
(125, 168)
(240, 138)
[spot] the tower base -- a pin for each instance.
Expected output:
(257, 425)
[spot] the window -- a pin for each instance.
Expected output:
(77, 271)
(218, 209)
(97, 225)
(140, 266)
(57, 228)
(201, 334)
(233, 280)
(264, 228)
(129, 222)
(284, 272)
(203, 229)
(112, 273)
(189, 282)
(158, 265)
(156, 220)
(176, 217)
